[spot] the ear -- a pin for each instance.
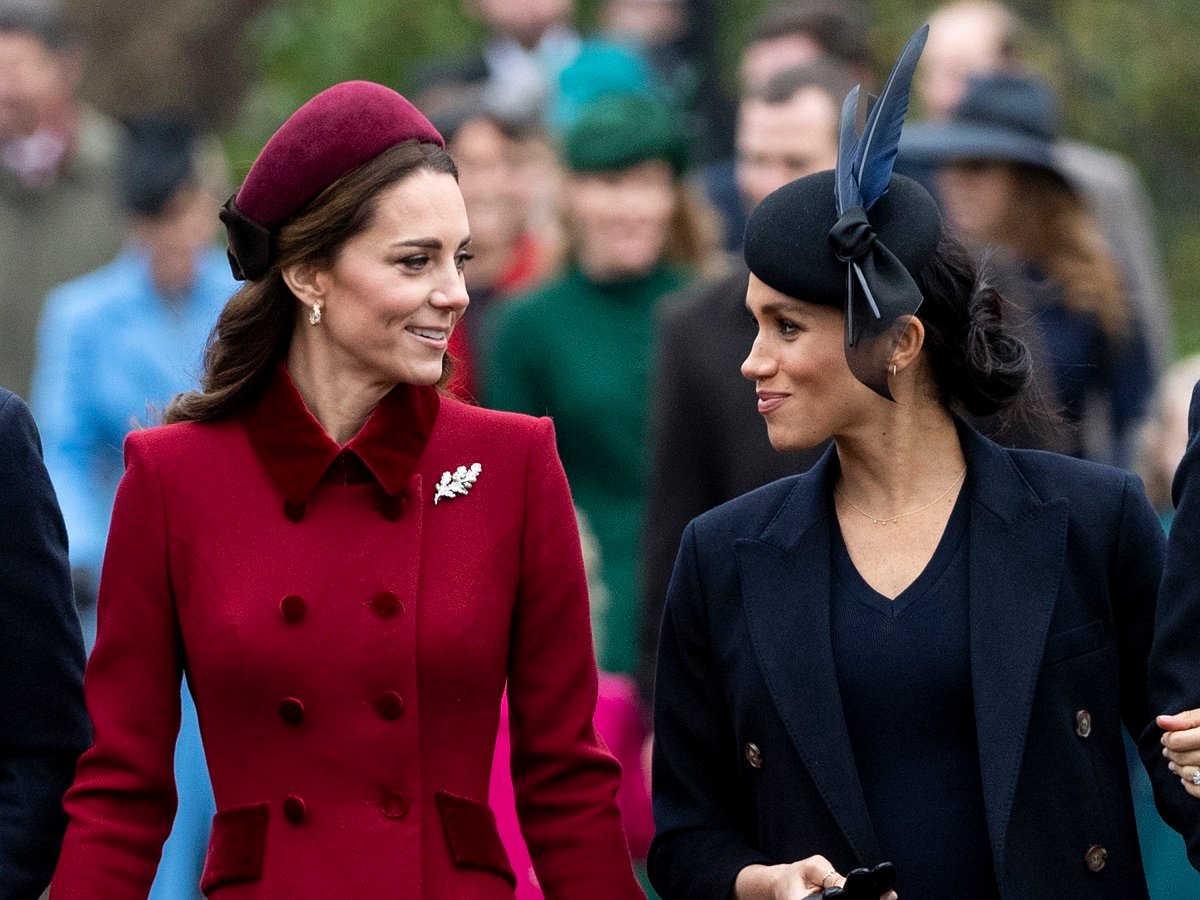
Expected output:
(306, 282)
(908, 348)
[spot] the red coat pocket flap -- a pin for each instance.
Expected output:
(471, 831)
(236, 847)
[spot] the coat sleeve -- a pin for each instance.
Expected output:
(1174, 669)
(43, 724)
(698, 849)
(564, 778)
(123, 799)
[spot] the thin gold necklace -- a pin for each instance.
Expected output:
(891, 519)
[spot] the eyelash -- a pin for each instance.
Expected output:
(418, 261)
(787, 327)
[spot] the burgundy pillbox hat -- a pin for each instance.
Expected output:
(329, 136)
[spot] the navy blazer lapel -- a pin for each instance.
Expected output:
(785, 580)
(1017, 551)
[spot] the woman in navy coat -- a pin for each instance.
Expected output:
(924, 650)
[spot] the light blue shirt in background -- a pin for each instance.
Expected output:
(111, 354)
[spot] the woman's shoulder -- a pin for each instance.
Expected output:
(750, 514)
(184, 443)
(1055, 475)
(459, 421)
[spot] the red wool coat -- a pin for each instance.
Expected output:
(347, 640)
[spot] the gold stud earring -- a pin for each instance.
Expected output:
(314, 314)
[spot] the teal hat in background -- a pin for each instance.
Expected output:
(619, 130)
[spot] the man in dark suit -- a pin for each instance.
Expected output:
(710, 444)
(43, 723)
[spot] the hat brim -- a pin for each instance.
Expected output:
(937, 144)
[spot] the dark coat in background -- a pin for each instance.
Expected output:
(709, 442)
(43, 723)
(1065, 559)
(1176, 651)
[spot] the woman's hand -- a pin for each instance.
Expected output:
(1181, 745)
(790, 881)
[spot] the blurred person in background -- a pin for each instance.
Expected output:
(976, 37)
(59, 215)
(527, 44)
(114, 346)
(785, 36)
(1164, 434)
(499, 165)
(43, 723)
(709, 443)
(580, 348)
(680, 38)
(1002, 186)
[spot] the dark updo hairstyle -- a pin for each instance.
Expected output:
(254, 329)
(977, 361)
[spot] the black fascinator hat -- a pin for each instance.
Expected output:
(855, 237)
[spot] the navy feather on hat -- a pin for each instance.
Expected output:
(856, 236)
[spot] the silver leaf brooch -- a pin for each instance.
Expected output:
(456, 483)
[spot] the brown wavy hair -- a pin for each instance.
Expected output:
(1050, 226)
(254, 329)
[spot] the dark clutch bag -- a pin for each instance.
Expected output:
(864, 884)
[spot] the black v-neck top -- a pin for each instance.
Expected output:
(904, 671)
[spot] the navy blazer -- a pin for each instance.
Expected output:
(43, 723)
(1065, 560)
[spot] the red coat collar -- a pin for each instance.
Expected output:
(296, 451)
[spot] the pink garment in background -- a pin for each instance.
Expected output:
(619, 724)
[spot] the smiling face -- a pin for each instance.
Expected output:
(395, 291)
(621, 220)
(806, 391)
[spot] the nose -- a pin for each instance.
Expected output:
(758, 365)
(451, 294)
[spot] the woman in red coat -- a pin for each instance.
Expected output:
(348, 565)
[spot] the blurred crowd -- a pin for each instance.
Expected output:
(607, 178)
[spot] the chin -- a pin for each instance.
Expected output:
(792, 440)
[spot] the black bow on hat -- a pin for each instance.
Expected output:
(880, 292)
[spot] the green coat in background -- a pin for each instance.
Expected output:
(581, 352)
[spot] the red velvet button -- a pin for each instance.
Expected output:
(393, 506)
(294, 511)
(394, 805)
(293, 608)
(291, 710)
(386, 604)
(389, 705)
(294, 809)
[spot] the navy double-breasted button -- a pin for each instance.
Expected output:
(1096, 858)
(1083, 724)
(389, 705)
(291, 710)
(293, 608)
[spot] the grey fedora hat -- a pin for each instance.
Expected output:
(1002, 117)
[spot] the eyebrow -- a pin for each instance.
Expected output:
(430, 243)
(777, 306)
